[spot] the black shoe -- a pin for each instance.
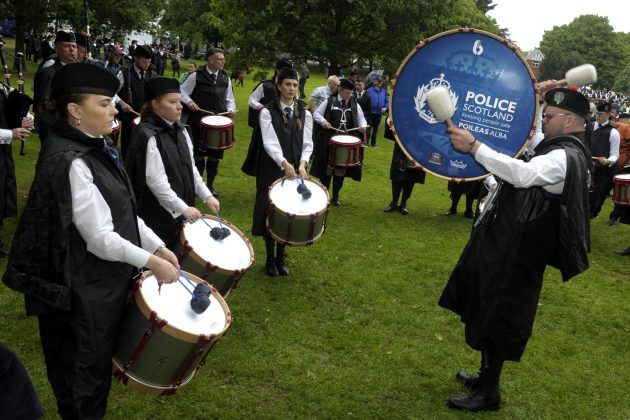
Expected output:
(469, 381)
(613, 221)
(476, 401)
(270, 267)
(214, 192)
(392, 207)
(281, 265)
(335, 202)
(451, 212)
(469, 214)
(624, 253)
(403, 210)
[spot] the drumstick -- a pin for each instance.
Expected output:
(357, 128)
(439, 100)
(585, 74)
(134, 112)
(206, 111)
(226, 113)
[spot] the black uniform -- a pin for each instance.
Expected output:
(496, 283)
(41, 93)
(321, 167)
(401, 172)
(270, 94)
(132, 92)
(210, 95)
(603, 175)
(173, 147)
(77, 296)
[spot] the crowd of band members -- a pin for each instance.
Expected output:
(609, 148)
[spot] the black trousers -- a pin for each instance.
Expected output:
(601, 188)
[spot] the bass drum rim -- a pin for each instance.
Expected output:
(418, 47)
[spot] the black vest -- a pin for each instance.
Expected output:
(177, 162)
(600, 141)
(136, 87)
(209, 96)
(335, 113)
(291, 137)
(48, 254)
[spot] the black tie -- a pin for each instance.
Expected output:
(289, 113)
(113, 154)
(142, 76)
(213, 78)
(343, 104)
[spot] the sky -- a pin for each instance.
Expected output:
(527, 20)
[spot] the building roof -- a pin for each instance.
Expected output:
(534, 55)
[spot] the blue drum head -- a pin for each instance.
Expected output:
(492, 89)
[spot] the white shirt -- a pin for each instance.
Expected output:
(189, 84)
(255, 97)
(321, 110)
(547, 171)
(157, 181)
(614, 139)
(270, 139)
(93, 219)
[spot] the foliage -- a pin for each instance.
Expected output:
(622, 82)
(593, 39)
(340, 34)
(485, 5)
(556, 63)
(193, 21)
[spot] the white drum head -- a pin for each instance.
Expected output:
(172, 303)
(216, 121)
(284, 196)
(115, 125)
(136, 121)
(345, 139)
(622, 177)
(231, 253)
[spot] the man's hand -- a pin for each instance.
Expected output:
(463, 141)
(213, 204)
(20, 133)
(289, 170)
(191, 214)
(193, 106)
(125, 106)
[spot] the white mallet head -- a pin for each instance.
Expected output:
(439, 100)
(585, 74)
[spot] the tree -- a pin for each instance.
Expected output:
(192, 21)
(340, 33)
(622, 82)
(593, 39)
(556, 63)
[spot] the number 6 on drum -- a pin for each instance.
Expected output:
(441, 106)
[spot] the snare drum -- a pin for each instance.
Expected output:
(115, 132)
(344, 150)
(136, 122)
(221, 263)
(621, 193)
(162, 341)
(292, 219)
(217, 133)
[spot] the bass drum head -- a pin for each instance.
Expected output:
(283, 194)
(492, 89)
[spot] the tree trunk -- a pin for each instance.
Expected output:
(333, 69)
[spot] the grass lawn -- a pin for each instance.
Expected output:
(355, 331)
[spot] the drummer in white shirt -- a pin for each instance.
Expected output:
(161, 165)
(286, 127)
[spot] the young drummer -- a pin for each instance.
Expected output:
(286, 127)
(161, 164)
(79, 242)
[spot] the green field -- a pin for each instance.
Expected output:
(355, 331)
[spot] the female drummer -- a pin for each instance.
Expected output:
(286, 127)
(161, 166)
(80, 241)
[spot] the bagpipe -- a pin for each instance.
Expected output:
(18, 103)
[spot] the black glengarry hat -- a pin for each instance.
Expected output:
(160, 86)
(63, 36)
(283, 64)
(142, 51)
(287, 73)
(346, 84)
(568, 99)
(604, 107)
(83, 78)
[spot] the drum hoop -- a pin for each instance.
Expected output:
(299, 244)
(136, 383)
(433, 38)
(300, 216)
(193, 254)
(172, 330)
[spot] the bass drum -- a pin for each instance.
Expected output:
(492, 89)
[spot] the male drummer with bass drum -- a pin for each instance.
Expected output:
(161, 163)
(339, 114)
(286, 126)
(208, 89)
(541, 219)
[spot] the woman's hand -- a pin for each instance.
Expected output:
(213, 204)
(191, 214)
(289, 170)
